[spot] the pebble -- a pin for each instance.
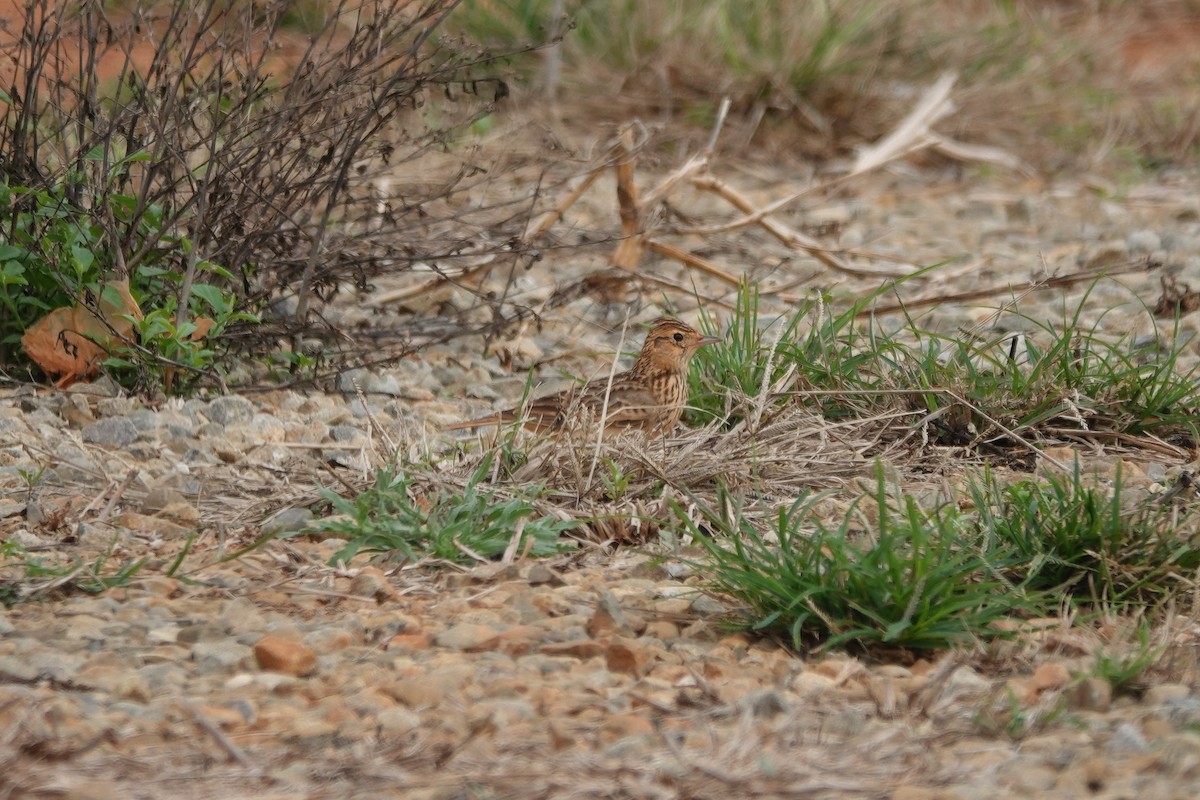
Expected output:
(111, 432)
(465, 636)
(1143, 242)
(1127, 738)
(221, 655)
(285, 655)
(229, 410)
(1166, 693)
(287, 520)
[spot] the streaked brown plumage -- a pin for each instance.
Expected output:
(649, 396)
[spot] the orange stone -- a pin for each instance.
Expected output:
(285, 655)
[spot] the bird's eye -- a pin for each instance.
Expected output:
(678, 336)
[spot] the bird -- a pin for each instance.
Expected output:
(649, 396)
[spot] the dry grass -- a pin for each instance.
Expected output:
(1108, 84)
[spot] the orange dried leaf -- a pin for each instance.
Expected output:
(203, 326)
(72, 342)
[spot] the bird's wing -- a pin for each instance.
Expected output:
(629, 404)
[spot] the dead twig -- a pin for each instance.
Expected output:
(788, 236)
(693, 261)
(913, 131)
(1052, 282)
(218, 736)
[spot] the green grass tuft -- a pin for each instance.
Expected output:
(917, 579)
(393, 518)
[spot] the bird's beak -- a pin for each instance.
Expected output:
(708, 340)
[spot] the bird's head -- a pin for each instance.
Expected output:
(670, 344)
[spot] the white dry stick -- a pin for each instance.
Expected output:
(696, 164)
(914, 131)
(510, 552)
(612, 374)
(961, 151)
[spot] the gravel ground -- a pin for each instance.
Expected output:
(604, 674)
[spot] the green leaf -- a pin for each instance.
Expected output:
(216, 269)
(83, 258)
(213, 297)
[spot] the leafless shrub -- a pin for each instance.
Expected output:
(225, 137)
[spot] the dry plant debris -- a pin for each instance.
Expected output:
(72, 342)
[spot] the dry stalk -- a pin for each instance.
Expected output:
(693, 261)
(786, 235)
(913, 131)
(1052, 282)
(629, 251)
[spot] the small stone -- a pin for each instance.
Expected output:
(1104, 255)
(618, 726)
(1143, 242)
(346, 434)
(131, 520)
(893, 671)
(1155, 728)
(156, 585)
(118, 681)
(409, 642)
(1127, 738)
(202, 632)
(1047, 677)
(625, 657)
(267, 428)
(964, 682)
(371, 582)
(672, 605)
(583, 649)
(662, 630)
(1166, 693)
(115, 406)
(167, 676)
(466, 636)
(330, 640)
(182, 513)
(608, 618)
(15, 669)
(1091, 694)
(229, 410)
(111, 432)
(12, 508)
(1028, 775)
(288, 520)
(25, 538)
(221, 655)
(812, 684)
(763, 704)
(397, 721)
(709, 606)
(540, 574)
(159, 498)
(285, 655)
(241, 615)
(275, 682)
(419, 692)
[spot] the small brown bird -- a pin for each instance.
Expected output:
(650, 396)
